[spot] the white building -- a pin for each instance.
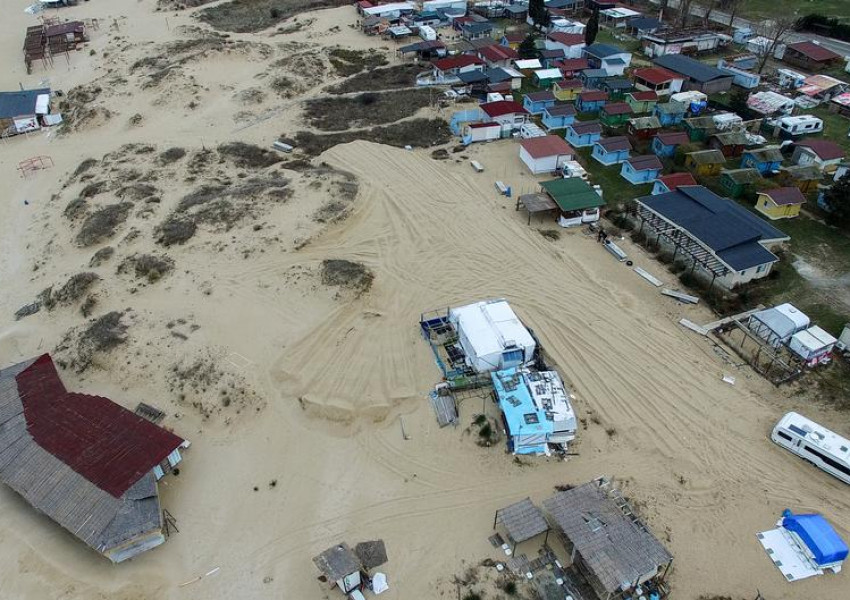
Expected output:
(390, 11)
(813, 345)
(491, 336)
(455, 7)
(545, 154)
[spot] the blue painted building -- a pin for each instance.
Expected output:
(612, 150)
(665, 143)
(593, 78)
(591, 101)
(583, 134)
(537, 102)
(641, 169)
(559, 116)
(527, 427)
(670, 113)
(764, 160)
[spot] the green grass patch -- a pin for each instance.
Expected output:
(835, 126)
(799, 8)
(616, 189)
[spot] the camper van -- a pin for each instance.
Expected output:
(802, 125)
(816, 444)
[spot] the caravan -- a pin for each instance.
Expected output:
(802, 125)
(816, 444)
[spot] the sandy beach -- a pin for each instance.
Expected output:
(292, 390)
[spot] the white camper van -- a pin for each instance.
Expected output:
(816, 444)
(802, 125)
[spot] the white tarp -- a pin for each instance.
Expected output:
(42, 104)
(776, 325)
(490, 334)
(379, 583)
(811, 342)
(787, 555)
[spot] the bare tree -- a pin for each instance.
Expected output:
(775, 31)
(707, 8)
(684, 12)
(732, 6)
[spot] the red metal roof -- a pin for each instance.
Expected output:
(364, 4)
(548, 145)
(593, 96)
(495, 52)
(644, 96)
(102, 441)
(501, 108)
(567, 39)
(785, 196)
(655, 75)
(816, 52)
(825, 149)
(645, 163)
(541, 96)
(514, 38)
(674, 180)
(668, 138)
(573, 64)
(456, 62)
(566, 84)
(617, 108)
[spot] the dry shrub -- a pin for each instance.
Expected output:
(101, 256)
(347, 274)
(73, 289)
(102, 224)
(147, 266)
(171, 155)
(248, 156)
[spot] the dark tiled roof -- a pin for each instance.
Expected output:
(585, 127)
(785, 196)
(645, 163)
(615, 144)
(603, 50)
(825, 149)
(689, 67)
(19, 104)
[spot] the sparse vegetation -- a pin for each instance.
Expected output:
(102, 224)
(389, 78)
(418, 133)
(350, 62)
(73, 289)
(171, 155)
(147, 266)
(363, 110)
(550, 234)
(101, 256)
(347, 274)
(248, 16)
(248, 156)
(83, 167)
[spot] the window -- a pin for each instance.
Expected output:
(828, 461)
(761, 269)
(511, 357)
(784, 436)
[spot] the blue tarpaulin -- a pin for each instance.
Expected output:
(818, 535)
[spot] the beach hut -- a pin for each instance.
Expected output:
(826, 155)
(571, 44)
(642, 102)
(670, 113)
(611, 59)
(544, 78)
(512, 39)
(737, 182)
(583, 134)
(705, 162)
(571, 67)
(615, 114)
(641, 169)
(671, 182)
(611, 151)
(591, 101)
(780, 203)
(593, 78)
(658, 80)
(730, 143)
(545, 154)
(617, 87)
(810, 55)
(765, 160)
(521, 522)
(340, 565)
(567, 89)
(700, 128)
(804, 177)
(536, 102)
(577, 201)
(642, 128)
(559, 116)
(665, 143)
(509, 114)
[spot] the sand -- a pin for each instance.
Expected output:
(316, 378)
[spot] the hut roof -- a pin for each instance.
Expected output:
(523, 520)
(707, 157)
(82, 460)
(614, 547)
(337, 562)
(371, 554)
(741, 176)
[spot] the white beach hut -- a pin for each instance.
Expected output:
(491, 336)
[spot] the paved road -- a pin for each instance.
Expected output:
(839, 46)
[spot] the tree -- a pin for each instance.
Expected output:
(775, 31)
(707, 8)
(591, 30)
(538, 13)
(731, 7)
(837, 202)
(684, 11)
(528, 48)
